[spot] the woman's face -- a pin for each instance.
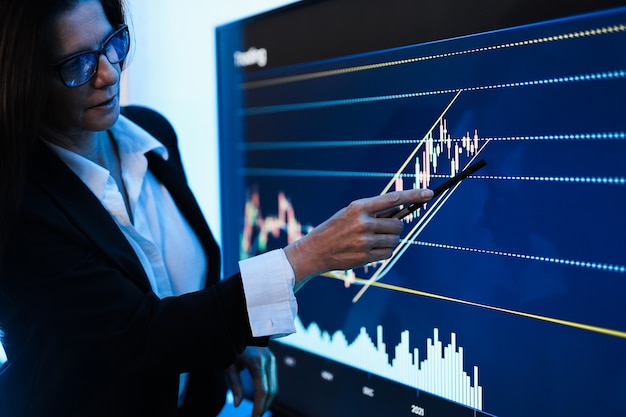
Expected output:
(91, 107)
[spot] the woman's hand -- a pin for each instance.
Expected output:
(358, 234)
(261, 364)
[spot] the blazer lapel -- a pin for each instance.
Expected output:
(72, 196)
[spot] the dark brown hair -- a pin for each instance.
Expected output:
(22, 90)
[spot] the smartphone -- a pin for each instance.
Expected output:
(443, 187)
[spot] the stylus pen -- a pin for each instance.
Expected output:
(443, 187)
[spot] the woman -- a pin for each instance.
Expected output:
(110, 296)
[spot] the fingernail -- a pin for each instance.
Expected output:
(426, 193)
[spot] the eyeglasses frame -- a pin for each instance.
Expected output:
(98, 52)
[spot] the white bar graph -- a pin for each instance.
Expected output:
(440, 373)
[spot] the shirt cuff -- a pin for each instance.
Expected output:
(268, 282)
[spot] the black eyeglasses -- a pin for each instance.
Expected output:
(79, 68)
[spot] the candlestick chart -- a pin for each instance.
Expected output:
(508, 287)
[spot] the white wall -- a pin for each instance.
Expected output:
(172, 70)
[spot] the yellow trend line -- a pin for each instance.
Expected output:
(582, 326)
(617, 28)
(392, 181)
(421, 223)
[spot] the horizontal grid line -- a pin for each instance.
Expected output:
(281, 172)
(612, 29)
(274, 145)
(576, 263)
(278, 108)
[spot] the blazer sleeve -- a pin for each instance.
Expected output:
(71, 278)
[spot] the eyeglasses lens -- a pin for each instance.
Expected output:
(117, 48)
(80, 69)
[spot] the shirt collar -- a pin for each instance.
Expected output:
(131, 140)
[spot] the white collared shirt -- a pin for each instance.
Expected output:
(165, 243)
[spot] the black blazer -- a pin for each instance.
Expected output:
(84, 333)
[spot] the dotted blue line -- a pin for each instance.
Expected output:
(581, 264)
(273, 172)
(576, 136)
(258, 146)
(578, 180)
(608, 75)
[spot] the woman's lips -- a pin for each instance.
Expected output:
(107, 103)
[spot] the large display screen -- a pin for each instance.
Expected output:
(505, 296)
